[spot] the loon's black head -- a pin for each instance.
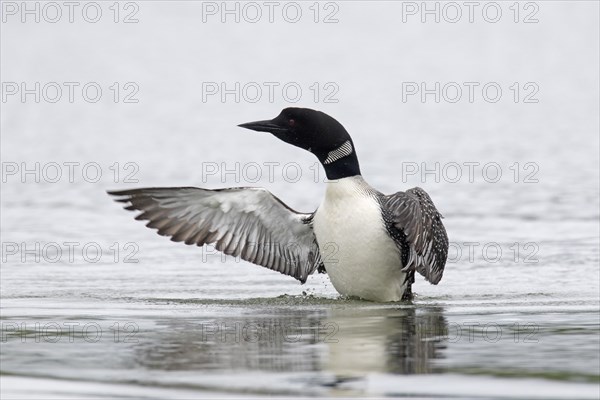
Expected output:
(316, 132)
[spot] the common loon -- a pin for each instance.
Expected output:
(370, 244)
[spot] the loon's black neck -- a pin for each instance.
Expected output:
(343, 168)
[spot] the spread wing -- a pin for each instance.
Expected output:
(416, 226)
(247, 222)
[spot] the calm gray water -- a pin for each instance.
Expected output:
(95, 305)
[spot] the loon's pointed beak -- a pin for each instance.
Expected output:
(263, 126)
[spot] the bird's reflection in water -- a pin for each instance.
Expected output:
(403, 340)
(343, 340)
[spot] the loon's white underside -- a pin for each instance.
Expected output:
(360, 257)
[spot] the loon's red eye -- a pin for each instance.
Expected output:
(292, 122)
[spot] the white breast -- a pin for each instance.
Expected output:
(359, 256)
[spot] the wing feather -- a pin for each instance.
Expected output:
(416, 221)
(247, 222)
